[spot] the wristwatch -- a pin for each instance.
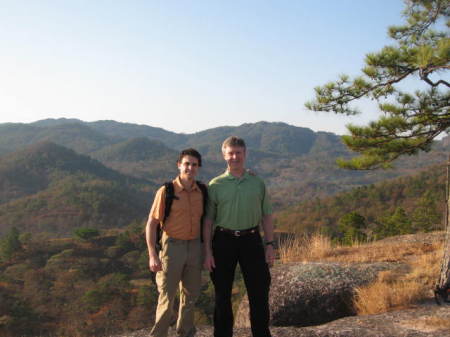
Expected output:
(270, 243)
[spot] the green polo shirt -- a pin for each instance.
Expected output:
(237, 203)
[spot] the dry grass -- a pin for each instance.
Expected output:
(392, 290)
(304, 249)
(381, 296)
(318, 248)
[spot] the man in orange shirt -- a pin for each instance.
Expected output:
(179, 262)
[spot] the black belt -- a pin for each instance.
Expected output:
(241, 232)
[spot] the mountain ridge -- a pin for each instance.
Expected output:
(296, 163)
(65, 189)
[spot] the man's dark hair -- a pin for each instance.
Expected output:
(190, 152)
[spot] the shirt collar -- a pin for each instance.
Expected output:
(232, 177)
(178, 186)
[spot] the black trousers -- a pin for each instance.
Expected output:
(248, 250)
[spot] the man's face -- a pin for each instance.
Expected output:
(188, 167)
(234, 156)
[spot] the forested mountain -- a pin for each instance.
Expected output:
(77, 136)
(278, 138)
(297, 163)
(47, 187)
(123, 131)
(262, 136)
(35, 167)
(403, 205)
(140, 157)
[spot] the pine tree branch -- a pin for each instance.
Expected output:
(433, 84)
(411, 123)
(347, 97)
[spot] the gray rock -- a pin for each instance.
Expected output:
(314, 293)
(421, 321)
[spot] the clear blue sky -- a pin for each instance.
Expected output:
(184, 66)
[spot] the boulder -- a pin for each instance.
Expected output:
(314, 293)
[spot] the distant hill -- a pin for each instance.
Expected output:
(417, 200)
(124, 131)
(261, 136)
(128, 130)
(47, 187)
(141, 157)
(297, 163)
(37, 166)
(49, 122)
(76, 136)
(136, 149)
(74, 202)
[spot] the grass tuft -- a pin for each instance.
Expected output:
(305, 248)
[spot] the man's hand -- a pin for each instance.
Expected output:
(154, 263)
(270, 255)
(209, 263)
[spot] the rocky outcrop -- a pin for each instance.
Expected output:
(425, 320)
(314, 293)
(310, 300)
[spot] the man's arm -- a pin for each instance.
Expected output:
(209, 262)
(267, 224)
(150, 236)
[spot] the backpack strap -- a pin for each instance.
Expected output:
(168, 200)
(204, 190)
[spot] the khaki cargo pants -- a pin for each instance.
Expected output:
(182, 265)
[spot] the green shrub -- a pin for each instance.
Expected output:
(86, 233)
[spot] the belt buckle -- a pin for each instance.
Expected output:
(237, 233)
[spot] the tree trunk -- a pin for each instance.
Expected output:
(443, 286)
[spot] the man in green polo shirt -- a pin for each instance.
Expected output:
(237, 204)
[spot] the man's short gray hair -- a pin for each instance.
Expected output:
(233, 141)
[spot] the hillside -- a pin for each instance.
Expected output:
(128, 130)
(47, 187)
(124, 131)
(263, 136)
(140, 157)
(75, 287)
(77, 201)
(416, 202)
(34, 168)
(76, 136)
(101, 286)
(297, 163)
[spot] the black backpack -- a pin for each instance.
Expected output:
(168, 200)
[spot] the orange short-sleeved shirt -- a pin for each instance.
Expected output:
(184, 219)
